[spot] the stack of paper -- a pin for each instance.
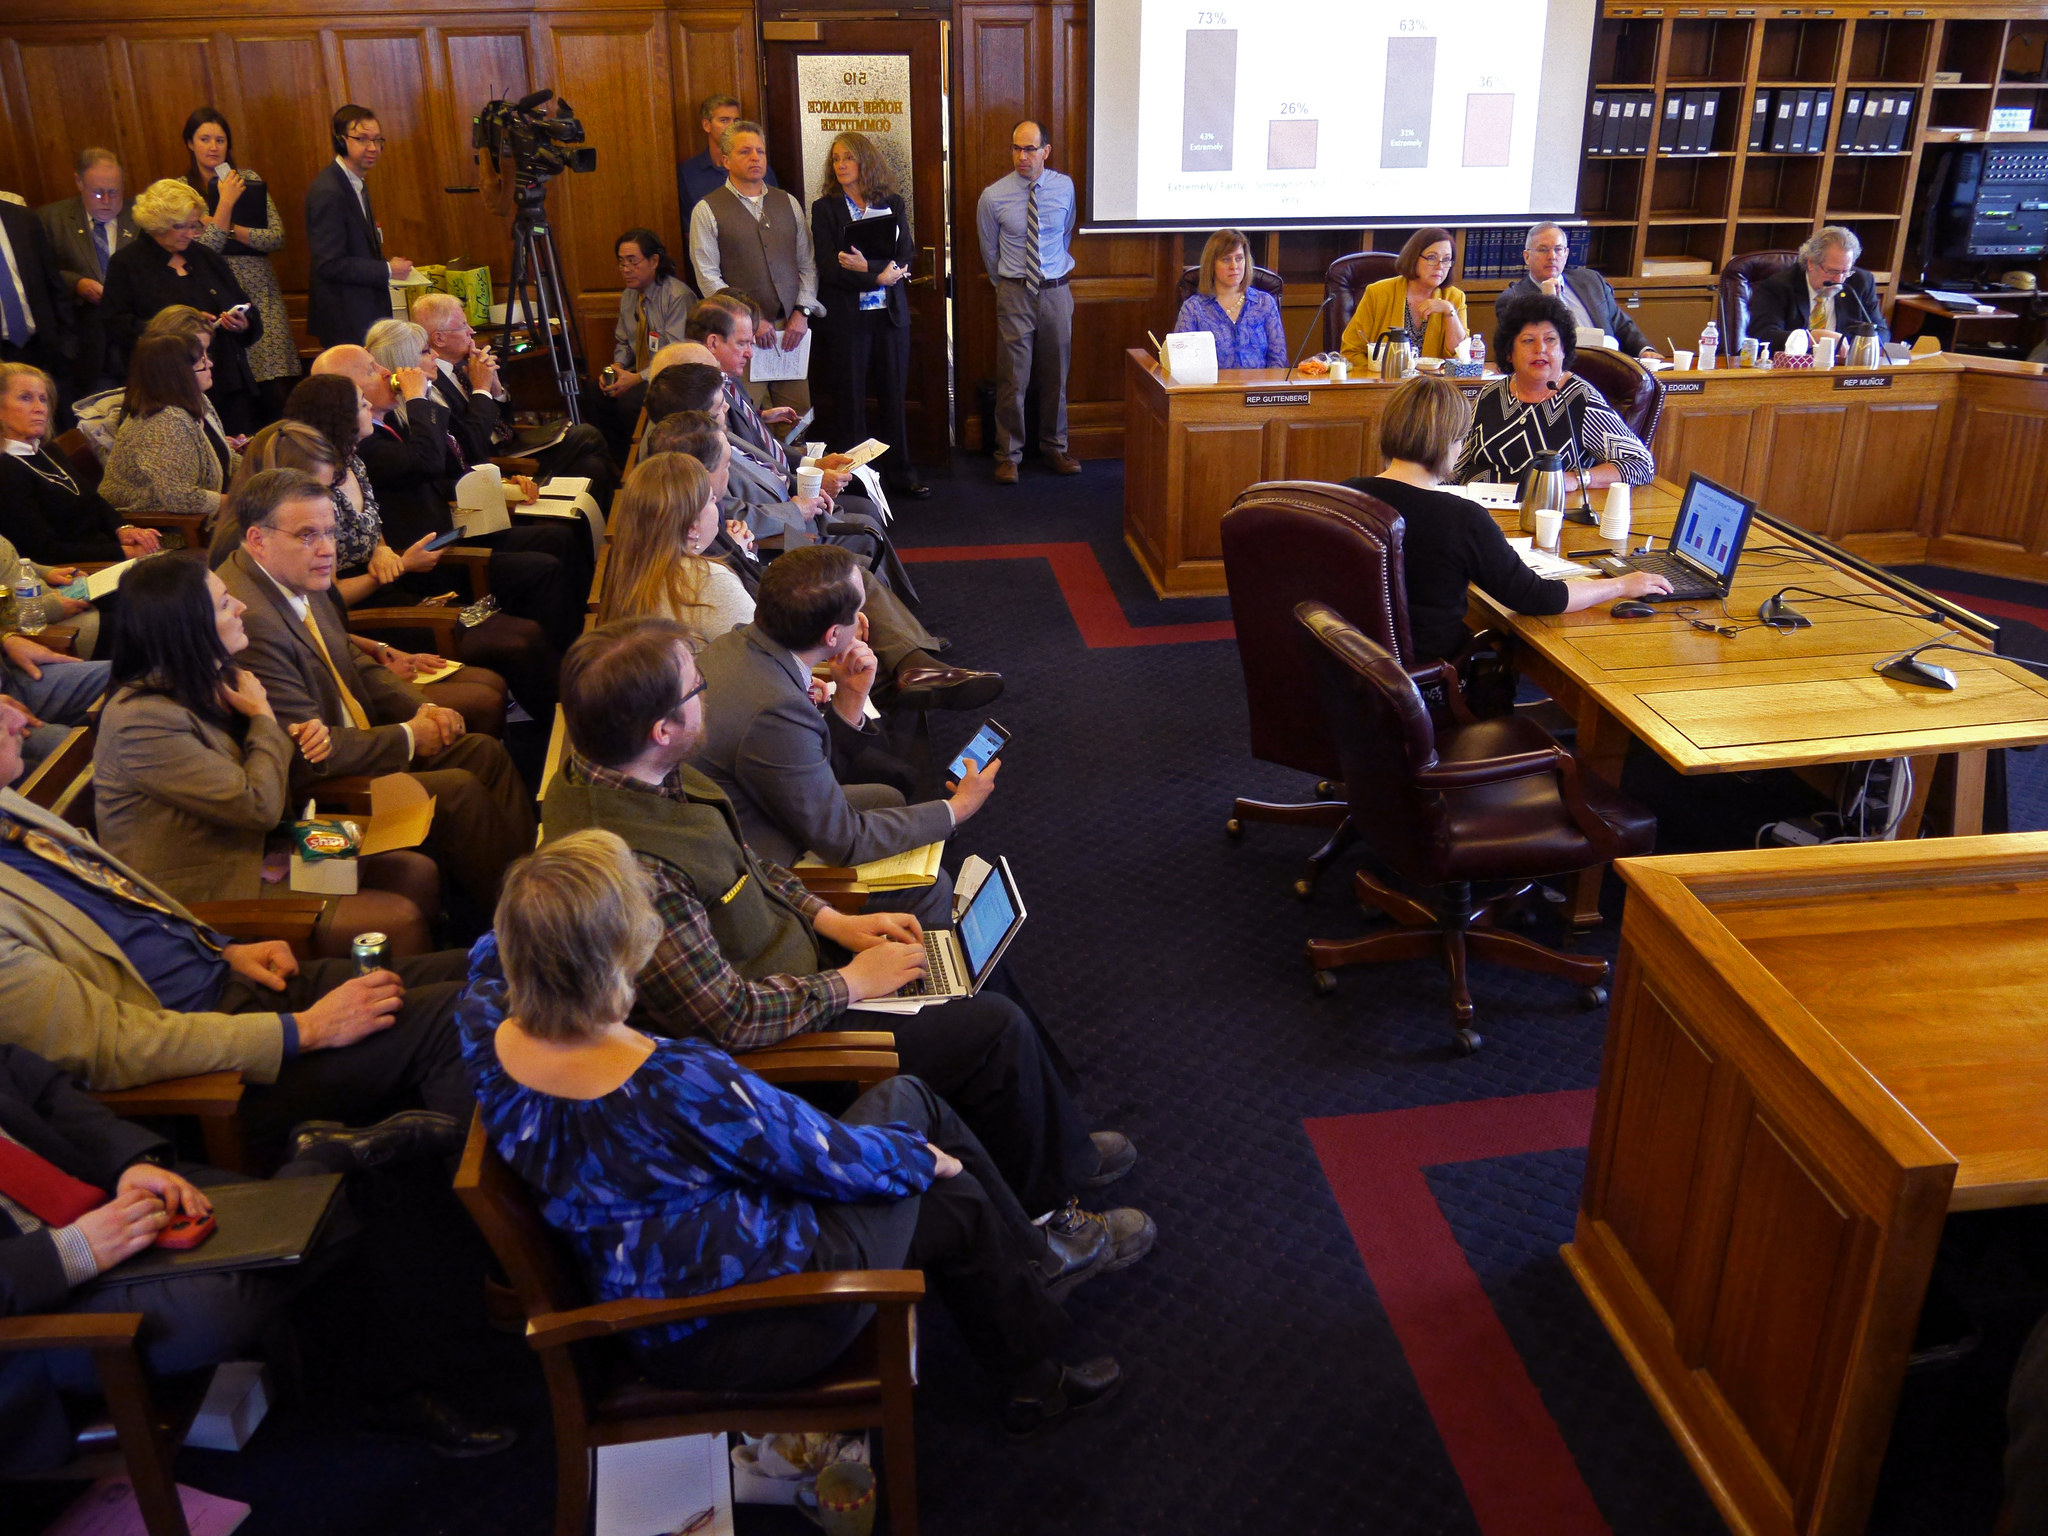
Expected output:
(920, 866)
(660, 1487)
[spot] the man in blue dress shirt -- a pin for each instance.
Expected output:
(1026, 222)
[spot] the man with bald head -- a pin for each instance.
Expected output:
(463, 376)
(1026, 223)
(539, 571)
(1583, 291)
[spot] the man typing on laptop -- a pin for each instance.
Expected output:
(747, 957)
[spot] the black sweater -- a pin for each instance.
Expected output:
(50, 523)
(1452, 543)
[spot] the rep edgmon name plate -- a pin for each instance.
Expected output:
(1276, 397)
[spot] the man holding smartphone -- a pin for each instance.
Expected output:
(766, 746)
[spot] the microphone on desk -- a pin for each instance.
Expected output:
(1907, 667)
(1778, 614)
(1585, 513)
(1306, 336)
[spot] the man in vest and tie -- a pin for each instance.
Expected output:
(752, 238)
(84, 232)
(1026, 223)
(350, 286)
(373, 722)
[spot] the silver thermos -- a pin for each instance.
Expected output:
(1863, 349)
(1542, 488)
(1397, 355)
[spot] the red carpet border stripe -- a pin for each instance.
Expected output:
(1085, 586)
(1996, 607)
(1518, 1474)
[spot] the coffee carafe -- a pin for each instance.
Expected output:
(1542, 488)
(1397, 355)
(1863, 348)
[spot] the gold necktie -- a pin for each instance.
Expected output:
(356, 717)
(1818, 320)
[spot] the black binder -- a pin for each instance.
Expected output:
(1781, 123)
(260, 1224)
(1760, 120)
(1646, 112)
(1802, 121)
(1823, 104)
(1667, 139)
(1689, 124)
(1901, 122)
(1852, 120)
(1710, 103)
(1596, 126)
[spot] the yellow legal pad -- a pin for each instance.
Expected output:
(919, 866)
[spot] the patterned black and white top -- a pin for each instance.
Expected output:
(1577, 421)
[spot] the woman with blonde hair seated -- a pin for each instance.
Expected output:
(1418, 299)
(191, 768)
(665, 518)
(1244, 320)
(671, 1170)
(170, 267)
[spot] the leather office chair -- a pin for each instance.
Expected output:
(1737, 279)
(1285, 541)
(600, 1399)
(1344, 283)
(1636, 393)
(1190, 279)
(1444, 808)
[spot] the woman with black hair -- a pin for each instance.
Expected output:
(190, 767)
(653, 308)
(1541, 406)
(167, 455)
(244, 227)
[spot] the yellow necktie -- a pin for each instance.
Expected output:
(1818, 320)
(356, 717)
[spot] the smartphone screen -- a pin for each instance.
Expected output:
(444, 540)
(987, 744)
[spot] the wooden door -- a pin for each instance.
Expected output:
(923, 42)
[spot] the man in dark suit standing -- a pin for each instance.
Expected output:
(351, 275)
(84, 232)
(35, 311)
(1582, 291)
(1825, 292)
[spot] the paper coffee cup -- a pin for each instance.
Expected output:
(1549, 528)
(809, 481)
(1824, 345)
(1614, 513)
(1682, 361)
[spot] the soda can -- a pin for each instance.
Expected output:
(371, 952)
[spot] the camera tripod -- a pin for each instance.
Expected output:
(534, 263)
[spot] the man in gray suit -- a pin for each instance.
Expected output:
(1584, 292)
(769, 748)
(363, 719)
(84, 232)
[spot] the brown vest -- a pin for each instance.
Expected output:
(758, 257)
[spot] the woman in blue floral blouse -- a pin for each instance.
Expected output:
(1244, 320)
(672, 1170)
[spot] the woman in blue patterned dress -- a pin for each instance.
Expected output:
(1244, 320)
(671, 1170)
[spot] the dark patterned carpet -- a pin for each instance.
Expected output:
(1267, 1391)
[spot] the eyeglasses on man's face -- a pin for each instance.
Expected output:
(374, 140)
(307, 538)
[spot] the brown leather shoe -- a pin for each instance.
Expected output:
(1063, 464)
(1006, 472)
(937, 686)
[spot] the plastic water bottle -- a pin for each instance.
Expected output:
(28, 593)
(1710, 343)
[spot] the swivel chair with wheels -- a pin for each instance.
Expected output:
(1460, 817)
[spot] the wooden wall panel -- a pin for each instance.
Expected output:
(478, 66)
(616, 74)
(172, 75)
(281, 130)
(1999, 455)
(70, 99)
(1893, 469)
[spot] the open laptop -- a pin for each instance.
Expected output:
(1712, 524)
(961, 958)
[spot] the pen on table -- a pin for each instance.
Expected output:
(696, 1522)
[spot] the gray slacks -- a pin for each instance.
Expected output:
(1033, 341)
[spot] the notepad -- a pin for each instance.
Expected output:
(442, 667)
(656, 1487)
(99, 583)
(901, 871)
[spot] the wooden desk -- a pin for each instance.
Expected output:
(1812, 1056)
(1766, 699)
(1940, 460)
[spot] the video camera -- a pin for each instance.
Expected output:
(536, 144)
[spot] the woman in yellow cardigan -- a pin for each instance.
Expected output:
(1417, 298)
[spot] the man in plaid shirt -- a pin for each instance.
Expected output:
(744, 950)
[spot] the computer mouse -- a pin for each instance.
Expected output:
(1628, 608)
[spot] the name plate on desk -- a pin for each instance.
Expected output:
(1276, 397)
(1864, 381)
(1685, 386)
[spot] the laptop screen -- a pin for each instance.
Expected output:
(987, 919)
(1711, 523)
